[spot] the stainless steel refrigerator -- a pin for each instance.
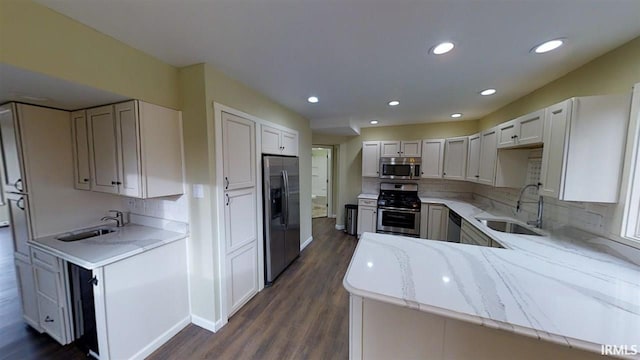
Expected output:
(281, 199)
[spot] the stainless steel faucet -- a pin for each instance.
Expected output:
(119, 218)
(538, 222)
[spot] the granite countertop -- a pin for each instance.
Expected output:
(568, 286)
(102, 250)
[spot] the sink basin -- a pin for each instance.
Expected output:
(508, 227)
(85, 234)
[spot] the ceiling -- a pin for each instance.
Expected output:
(356, 55)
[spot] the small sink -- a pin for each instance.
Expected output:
(508, 227)
(85, 234)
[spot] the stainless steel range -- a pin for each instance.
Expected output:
(399, 209)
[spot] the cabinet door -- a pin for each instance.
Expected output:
(488, 155)
(473, 158)
(289, 143)
(424, 221)
(128, 149)
(410, 148)
(438, 216)
(238, 147)
(80, 144)
(11, 149)
(366, 219)
(455, 158)
(553, 152)
(271, 140)
(102, 150)
(432, 158)
(370, 158)
(390, 149)
(28, 295)
(17, 206)
(507, 133)
(241, 247)
(531, 128)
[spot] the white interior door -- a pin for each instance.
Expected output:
(319, 181)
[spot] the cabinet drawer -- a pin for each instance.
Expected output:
(51, 318)
(44, 259)
(46, 283)
(367, 202)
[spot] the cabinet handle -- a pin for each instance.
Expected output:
(227, 195)
(477, 176)
(118, 183)
(85, 180)
(48, 319)
(19, 188)
(19, 202)
(113, 183)
(226, 181)
(93, 281)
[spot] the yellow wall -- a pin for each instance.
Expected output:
(613, 72)
(41, 40)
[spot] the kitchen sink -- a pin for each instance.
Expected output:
(508, 227)
(85, 234)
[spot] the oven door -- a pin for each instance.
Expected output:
(398, 221)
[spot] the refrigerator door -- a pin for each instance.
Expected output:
(274, 221)
(11, 149)
(292, 230)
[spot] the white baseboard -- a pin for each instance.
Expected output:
(339, 227)
(160, 340)
(306, 242)
(332, 216)
(204, 323)
(4, 223)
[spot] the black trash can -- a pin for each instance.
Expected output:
(351, 219)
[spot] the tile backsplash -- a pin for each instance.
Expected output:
(426, 187)
(170, 207)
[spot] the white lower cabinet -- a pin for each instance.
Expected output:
(28, 294)
(367, 216)
(433, 221)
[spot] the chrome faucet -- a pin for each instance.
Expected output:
(538, 221)
(119, 218)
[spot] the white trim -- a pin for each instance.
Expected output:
(330, 157)
(339, 227)
(306, 243)
(163, 338)
(205, 324)
(631, 214)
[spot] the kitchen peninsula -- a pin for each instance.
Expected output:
(416, 298)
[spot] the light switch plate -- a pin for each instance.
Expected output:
(198, 191)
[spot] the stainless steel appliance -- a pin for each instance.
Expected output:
(399, 209)
(281, 198)
(453, 227)
(400, 168)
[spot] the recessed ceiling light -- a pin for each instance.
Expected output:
(487, 92)
(312, 99)
(394, 103)
(456, 115)
(548, 46)
(442, 48)
(373, 122)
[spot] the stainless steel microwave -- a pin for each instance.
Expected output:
(400, 168)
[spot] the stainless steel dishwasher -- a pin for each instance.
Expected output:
(453, 227)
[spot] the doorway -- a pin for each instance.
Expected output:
(321, 164)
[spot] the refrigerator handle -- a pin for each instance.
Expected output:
(285, 198)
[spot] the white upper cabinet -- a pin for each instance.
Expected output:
(523, 131)
(135, 149)
(81, 168)
(400, 148)
(432, 158)
(238, 152)
(488, 154)
(370, 158)
(583, 152)
(473, 158)
(455, 158)
(12, 149)
(279, 142)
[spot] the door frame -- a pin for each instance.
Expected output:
(329, 148)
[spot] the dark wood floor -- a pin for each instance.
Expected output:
(304, 315)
